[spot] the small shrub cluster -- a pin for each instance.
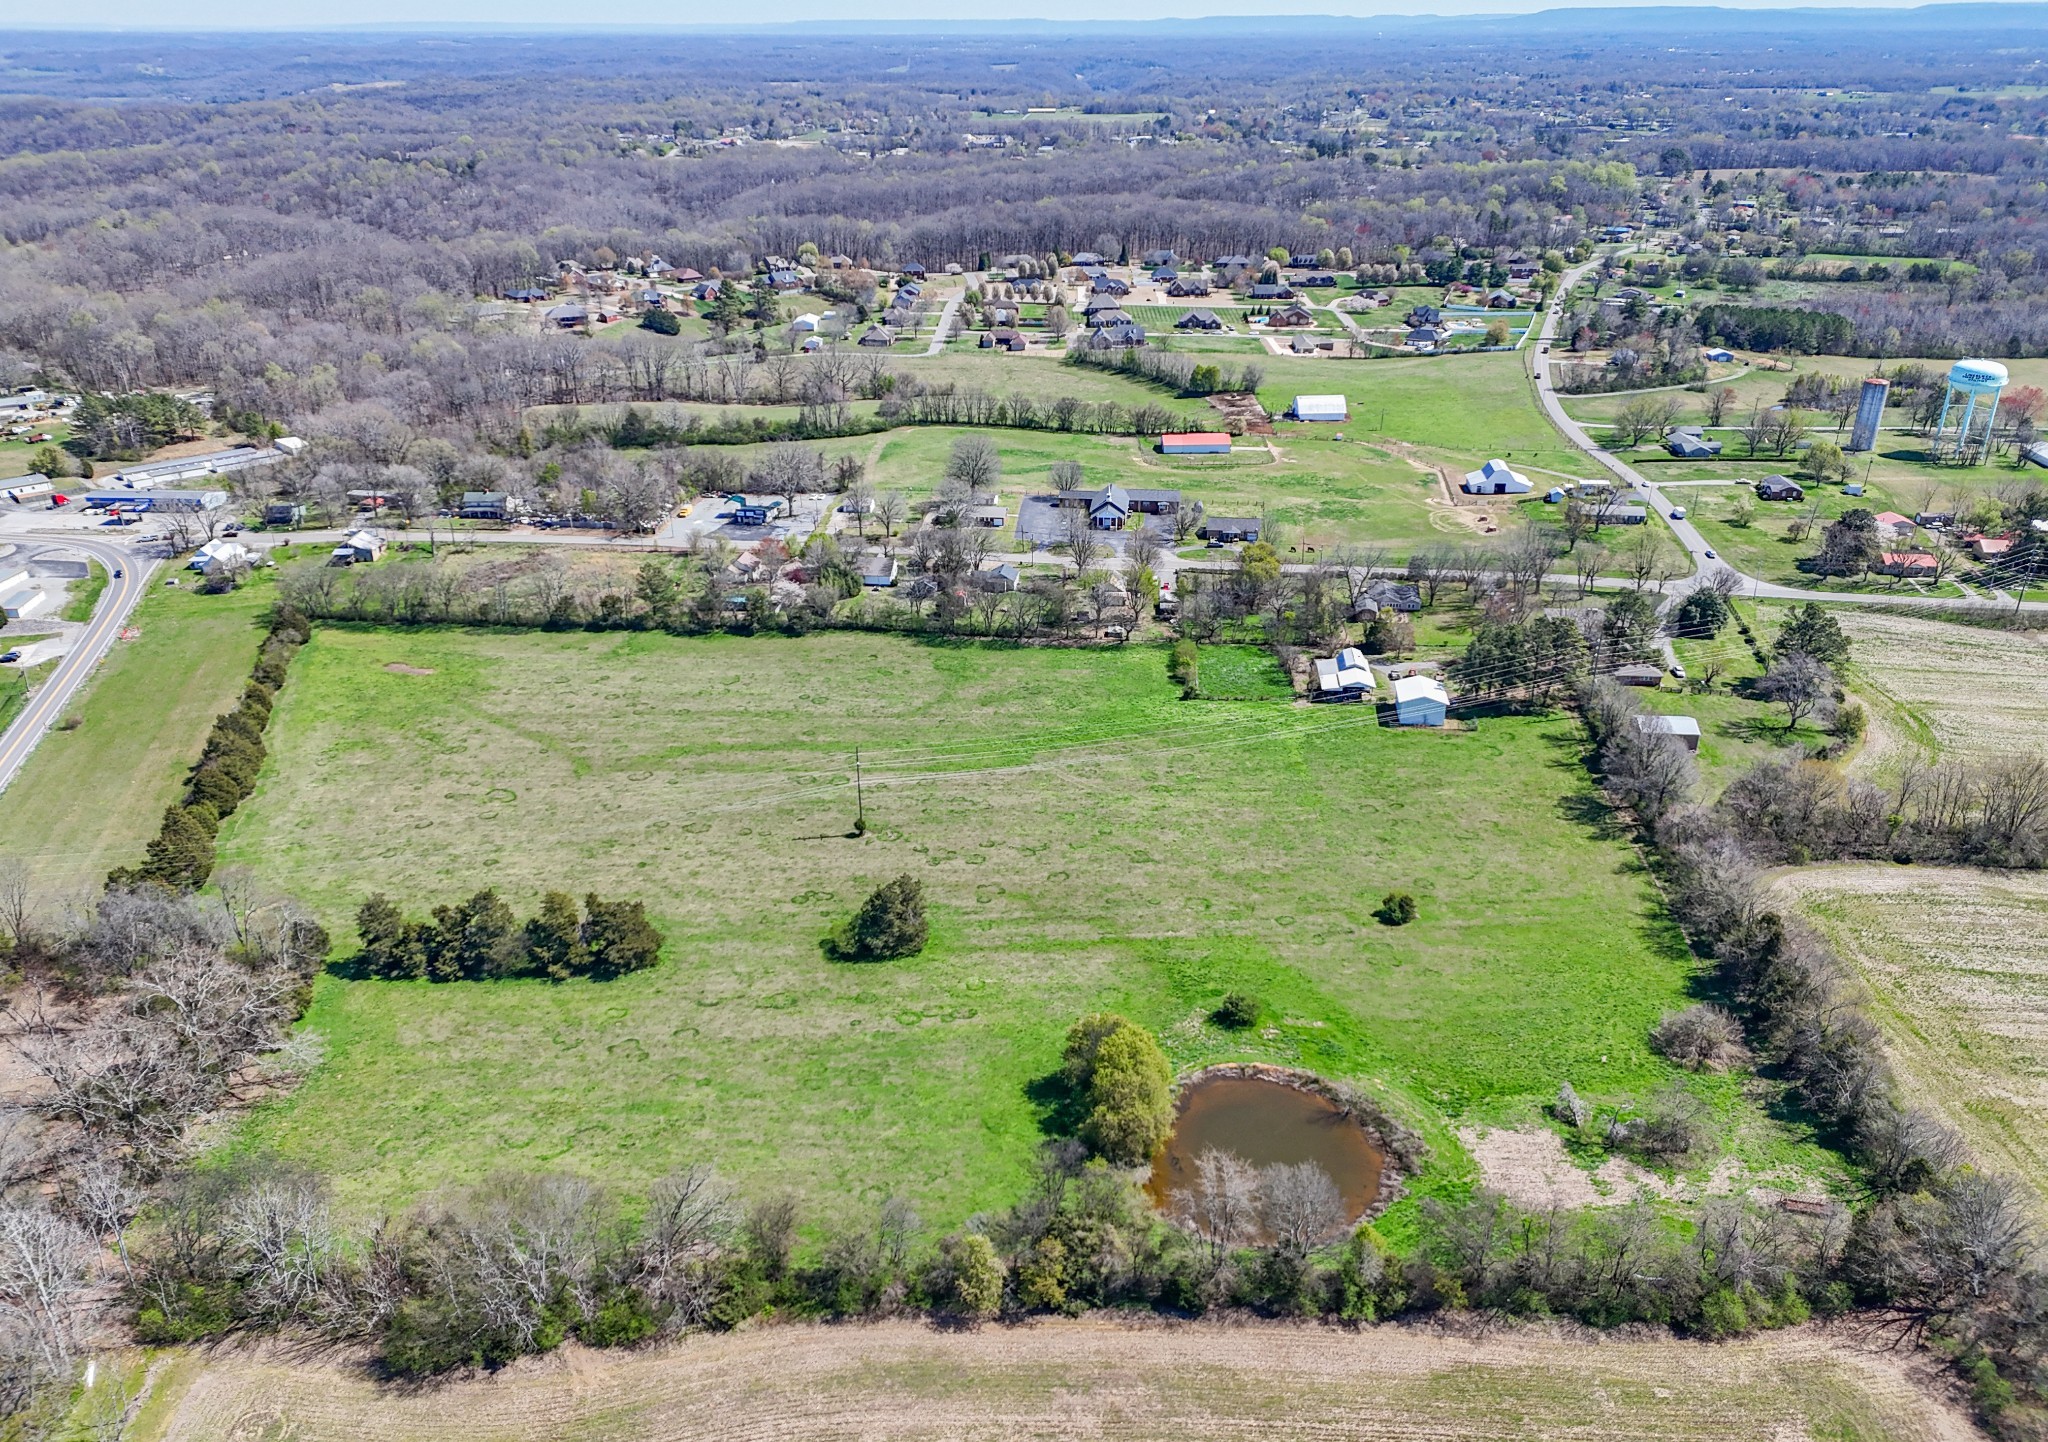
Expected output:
(890, 924)
(480, 940)
(182, 855)
(1237, 1011)
(1396, 908)
(1184, 668)
(1117, 1068)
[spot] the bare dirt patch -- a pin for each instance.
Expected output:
(1956, 961)
(399, 668)
(1087, 1378)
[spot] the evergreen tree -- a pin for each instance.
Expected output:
(618, 936)
(554, 939)
(890, 923)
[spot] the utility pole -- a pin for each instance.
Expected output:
(860, 805)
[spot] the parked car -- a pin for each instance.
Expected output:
(10, 658)
(1678, 670)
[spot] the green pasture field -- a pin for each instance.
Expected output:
(1087, 840)
(90, 798)
(17, 451)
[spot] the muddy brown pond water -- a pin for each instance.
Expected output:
(1265, 1122)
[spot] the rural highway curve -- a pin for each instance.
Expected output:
(116, 604)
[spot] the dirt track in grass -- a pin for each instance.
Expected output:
(1190, 1383)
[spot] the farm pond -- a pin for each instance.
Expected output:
(1266, 1122)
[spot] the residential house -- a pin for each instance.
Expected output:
(523, 295)
(1096, 303)
(1157, 258)
(1423, 315)
(911, 270)
(1296, 314)
(1344, 676)
(1990, 548)
(1229, 528)
(1109, 285)
(1002, 338)
(357, 548)
(1685, 729)
(993, 518)
(1779, 488)
(1103, 319)
(1086, 258)
(1271, 292)
(1165, 275)
(1003, 576)
(1420, 701)
(1502, 300)
(1153, 501)
(1496, 478)
(1402, 596)
(1198, 320)
(1117, 337)
(1893, 526)
(877, 336)
(706, 290)
(1188, 285)
(688, 276)
(1716, 353)
(1935, 520)
(1691, 447)
(1317, 282)
(1640, 675)
(220, 554)
(877, 569)
(1428, 337)
(284, 513)
(1907, 563)
(1301, 261)
(569, 314)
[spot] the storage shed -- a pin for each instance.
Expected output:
(1321, 408)
(1420, 701)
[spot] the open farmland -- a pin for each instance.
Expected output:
(1957, 963)
(90, 797)
(1087, 840)
(1962, 692)
(902, 1381)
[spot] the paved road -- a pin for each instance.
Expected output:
(945, 324)
(1688, 535)
(116, 603)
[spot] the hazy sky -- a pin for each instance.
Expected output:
(325, 14)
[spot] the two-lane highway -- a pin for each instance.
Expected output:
(116, 604)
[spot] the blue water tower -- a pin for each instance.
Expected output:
(1963, 435)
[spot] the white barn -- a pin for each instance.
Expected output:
(1420, 701)
(1321, 408)
(1496, 478)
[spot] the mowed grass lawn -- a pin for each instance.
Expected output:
(1087, 841)
(90, 798)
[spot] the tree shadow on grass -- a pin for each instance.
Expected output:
(1591, 810)
(1061, 1106)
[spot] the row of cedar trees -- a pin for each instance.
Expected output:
(182, 855)
(480, 940)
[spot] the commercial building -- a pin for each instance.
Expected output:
(158, 500)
